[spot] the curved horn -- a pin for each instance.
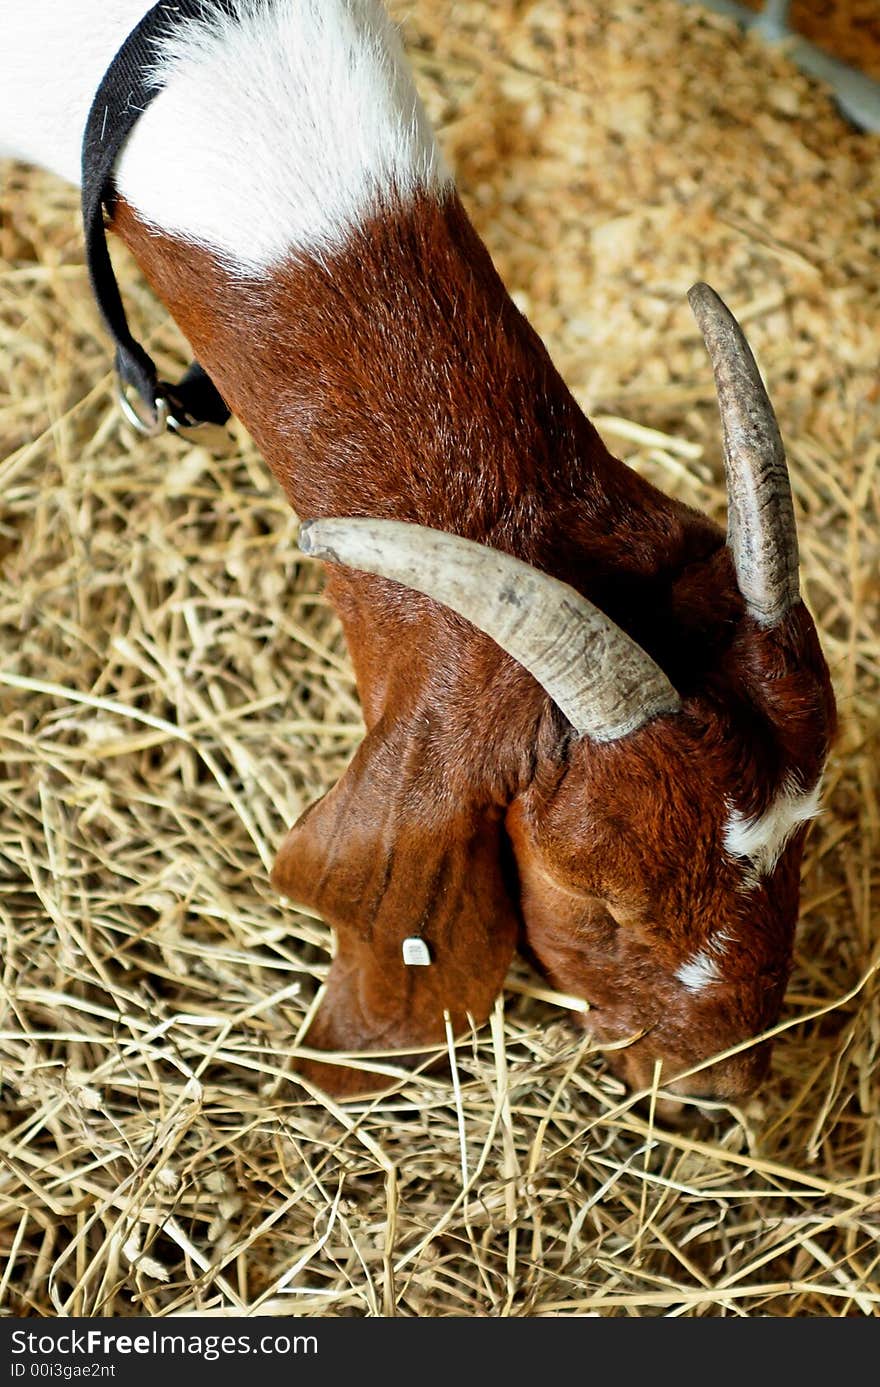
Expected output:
(761, 528)
(603, 682)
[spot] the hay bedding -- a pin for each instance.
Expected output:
(173, 692)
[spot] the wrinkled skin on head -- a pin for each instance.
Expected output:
(396, 380)
(606, 864)
(630, 894)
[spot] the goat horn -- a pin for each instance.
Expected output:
(761, 529)
(603, 682)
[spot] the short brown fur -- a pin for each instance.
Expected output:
(398, 380)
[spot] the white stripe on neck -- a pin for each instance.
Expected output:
(279, 129)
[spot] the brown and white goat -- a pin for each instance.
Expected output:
(595, 729)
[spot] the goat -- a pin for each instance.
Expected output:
(594, 729)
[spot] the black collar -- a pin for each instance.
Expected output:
(121, 97)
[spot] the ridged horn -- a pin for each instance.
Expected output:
(761, 529)
(602, 681)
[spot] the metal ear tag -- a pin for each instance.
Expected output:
(416, 953)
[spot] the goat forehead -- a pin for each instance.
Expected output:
(701, 970)
(301, 119)
(761, 839)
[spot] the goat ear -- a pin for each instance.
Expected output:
(385, 856)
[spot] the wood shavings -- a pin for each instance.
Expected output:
(174, 692)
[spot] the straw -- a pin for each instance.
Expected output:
(174, 691)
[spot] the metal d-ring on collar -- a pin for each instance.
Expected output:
(151, 406)
(186, 409)
(139, 421)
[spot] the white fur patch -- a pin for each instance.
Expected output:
(761, 841)
(53, 54)
(700, 971)
(279, 129)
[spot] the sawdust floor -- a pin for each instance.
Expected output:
(173, 692)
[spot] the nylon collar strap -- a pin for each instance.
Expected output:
(122, 96)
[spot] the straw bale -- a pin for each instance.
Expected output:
(174, 691)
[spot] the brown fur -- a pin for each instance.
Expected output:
(399, 381)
